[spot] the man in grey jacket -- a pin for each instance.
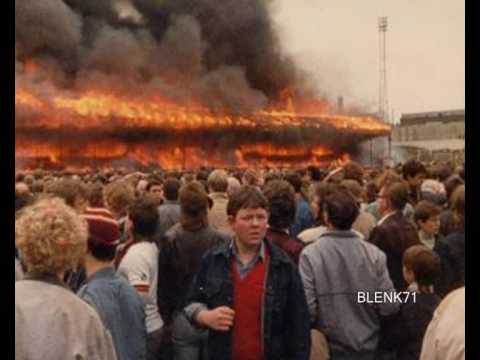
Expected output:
(339, 272)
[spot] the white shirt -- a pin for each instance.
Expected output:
(445, 335)
(428, 241)
(140, 267)
(312, 234)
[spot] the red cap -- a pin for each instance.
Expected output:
(102, 229)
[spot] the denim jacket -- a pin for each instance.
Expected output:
(285, 323)
(303, 219)
(121, 309)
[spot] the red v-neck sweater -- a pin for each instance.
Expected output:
(247, 301)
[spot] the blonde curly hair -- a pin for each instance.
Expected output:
(51, 236)
(119, 196)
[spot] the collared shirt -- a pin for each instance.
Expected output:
(372, 208)
(428, 241)
(385, 217)
(244, 269)
(121, 309)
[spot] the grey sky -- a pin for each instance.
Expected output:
(337, 40)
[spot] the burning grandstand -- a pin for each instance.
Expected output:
(165, 83)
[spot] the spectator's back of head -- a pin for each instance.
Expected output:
(295, 180)
(423, 263)
(194, 203)
(354, 188)
(23, 197)
(440, 172)
(397, 195)
(218, 181)
(353, 171)
(95, 195)
(51, 236)
(320, 192)
(323, 189)
(233, 185)
(314, 172)
(271, 176)
(187, 178)
(281, 203)
(202, 175)
(433, 191)
(38, 186)
(451, 184)
(118, 197)
(171, 188)
(341, 210)
(73, 192)
(29, 179)
(144, 217)
(250, 177)
(21, 188)
(103, 236)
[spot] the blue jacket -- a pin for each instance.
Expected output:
(303, 218)
(122, 311)
(286, 333)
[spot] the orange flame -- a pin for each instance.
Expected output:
(96, 110)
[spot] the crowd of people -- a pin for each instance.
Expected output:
(356, 262)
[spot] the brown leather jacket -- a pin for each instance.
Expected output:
(393, 237)
(179, 260)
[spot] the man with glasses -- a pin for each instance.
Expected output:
(394, 233)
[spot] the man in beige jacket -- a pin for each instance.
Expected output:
(217, 215)
(51, 322)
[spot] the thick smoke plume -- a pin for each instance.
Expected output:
(224, 53)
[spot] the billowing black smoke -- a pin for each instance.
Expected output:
(225, 53)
